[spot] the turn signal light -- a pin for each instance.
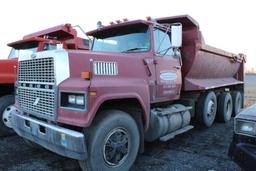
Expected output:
(86, 75)
(93, 93)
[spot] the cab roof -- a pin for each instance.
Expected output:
(30, 41)
(185, 20)
(119, 25)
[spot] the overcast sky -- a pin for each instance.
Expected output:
(226, 24)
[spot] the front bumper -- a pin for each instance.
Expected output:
(57, 139)
(243, 154)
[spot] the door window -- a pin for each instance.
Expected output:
(162, 43)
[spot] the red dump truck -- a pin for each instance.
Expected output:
(142, 80)
(43, 40)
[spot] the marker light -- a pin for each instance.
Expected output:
(86, 75)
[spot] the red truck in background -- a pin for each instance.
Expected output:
(64, 35)
(142, 80)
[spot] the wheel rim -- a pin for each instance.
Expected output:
(7, 116)
(210, 109)
(116, 147)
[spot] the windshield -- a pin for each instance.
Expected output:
(15, 53)
(29, 49)
(48, 46)
(136, 39)
(23, 49)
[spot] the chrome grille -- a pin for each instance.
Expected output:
(37, 70)
(36, 87)
(37, 102)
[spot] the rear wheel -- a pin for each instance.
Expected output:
(206, 109)
(113, 142)
(237, 102)
(6, 107)
(225, 107)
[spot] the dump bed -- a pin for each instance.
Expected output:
(205, 67)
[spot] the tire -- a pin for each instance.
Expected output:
(225, 107)
(113, 125)
(206, 109)
(5, 108)
(237, 102)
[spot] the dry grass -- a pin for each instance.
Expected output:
(250, 97)
(250, 90)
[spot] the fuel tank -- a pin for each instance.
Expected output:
(205, 67)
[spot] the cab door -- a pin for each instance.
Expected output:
(167, 68)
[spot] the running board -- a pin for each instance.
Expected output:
(173, 134)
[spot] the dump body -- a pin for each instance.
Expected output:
(205, 67)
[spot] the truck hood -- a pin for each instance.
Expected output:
(82, 60)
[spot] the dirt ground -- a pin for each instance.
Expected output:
(198, 149)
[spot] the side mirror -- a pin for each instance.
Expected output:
(176, 35)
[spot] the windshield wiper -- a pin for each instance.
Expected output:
(164, 50)
(134, 49)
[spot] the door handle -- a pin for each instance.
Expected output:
(148, 62)
(177, 67)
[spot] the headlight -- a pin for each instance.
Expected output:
(73, 100)
(80, 100)
(245, 127)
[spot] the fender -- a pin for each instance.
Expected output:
(119, 96)
(126, 89)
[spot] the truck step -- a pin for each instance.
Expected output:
(177, 132)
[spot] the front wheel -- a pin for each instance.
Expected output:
(6, 107)
(113, 142)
